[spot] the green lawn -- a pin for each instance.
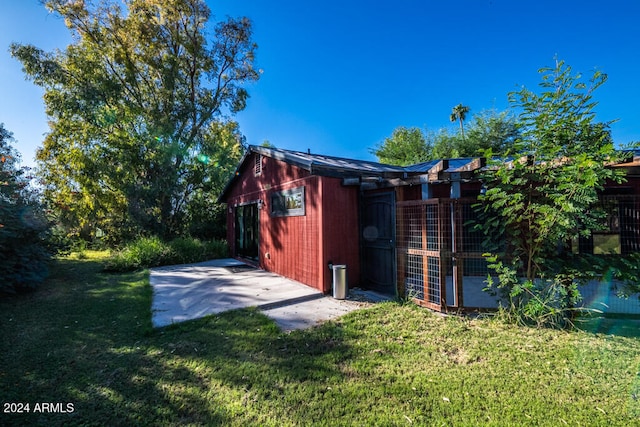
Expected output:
(85, 338)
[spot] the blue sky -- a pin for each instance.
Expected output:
(339, 76)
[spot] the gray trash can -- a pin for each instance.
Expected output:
(339, 281)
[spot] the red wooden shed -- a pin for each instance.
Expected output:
(294, 213)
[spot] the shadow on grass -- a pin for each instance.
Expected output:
(85, 338)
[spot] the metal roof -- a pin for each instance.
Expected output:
(422, 167)
(339, 167)
(329, 165)
(455, 165)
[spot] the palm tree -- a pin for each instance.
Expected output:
(459, 113)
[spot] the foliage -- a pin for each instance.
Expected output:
(152, 252)
(459, 114)
(24, 229)
(139, 110)
(622, 270)
(543, 303)
(405, 146)
(88, 341)
(204, 217)
(488, 130)
(546, 194)
(445, 145)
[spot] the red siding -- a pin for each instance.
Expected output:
(290, 246)
(299, 247)
(340, 230)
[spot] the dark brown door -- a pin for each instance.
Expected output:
(377, 237)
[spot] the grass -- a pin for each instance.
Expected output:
(85, 338)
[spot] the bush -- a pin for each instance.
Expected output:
(25, 257)
(207, 219)
(186, 250)
(153, 252)
(24, 229)
(144, 252)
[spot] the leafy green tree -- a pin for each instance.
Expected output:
(220, 154)
(405, 146)
(459, 114)
(547, 195)
(24, 230)
(445, 144)
(489, 132)
(132, 103)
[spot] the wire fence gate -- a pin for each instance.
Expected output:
(440, 263)
(439, 255)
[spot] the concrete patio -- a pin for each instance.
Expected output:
(191, 291)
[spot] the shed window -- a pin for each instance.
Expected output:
(288, 202)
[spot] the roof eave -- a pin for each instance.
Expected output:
(222, 198)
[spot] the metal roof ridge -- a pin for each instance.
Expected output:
(324, 160)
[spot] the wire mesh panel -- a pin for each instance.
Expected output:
(470, 267)
(414, 283)
(471, 238)
(431, 217)
(409, 233)
(433, 280)
(474, 284)
(619, 231)
(418, 244)
(623, 221)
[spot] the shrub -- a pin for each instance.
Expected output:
(539, 302)
(186, 250)
(24, 229)
(143, 252)
(25, 257)
(152, 252)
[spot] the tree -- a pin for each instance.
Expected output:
(23, 227)
(405, 146)
(132, 103)
(489, 133)
(459, 114)
(446, 145)
(547, 195)
(205, 218)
